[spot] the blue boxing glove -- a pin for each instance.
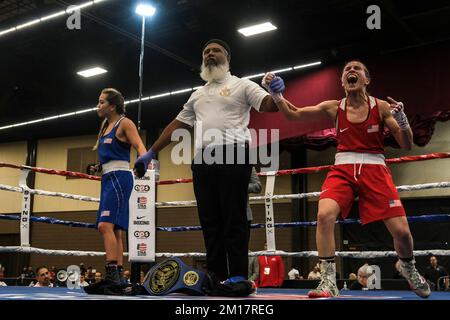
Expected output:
(277, 85)
(141, 163)
(276, 89)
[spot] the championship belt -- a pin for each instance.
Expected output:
(173, 275)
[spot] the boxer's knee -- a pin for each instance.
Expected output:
(326, 218)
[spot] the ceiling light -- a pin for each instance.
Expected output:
(307, 65)
(256, 29)
(91, 72)
(145, 10)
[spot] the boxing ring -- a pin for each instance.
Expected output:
(270, 225)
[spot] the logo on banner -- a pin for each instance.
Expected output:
(142, 234)
(142, 249)
(141, 223)
(141, 188)
(142, 202)
(24, 218)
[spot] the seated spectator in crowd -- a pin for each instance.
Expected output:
(142, 277)
(315, 273)
(271, 271)
(82, 268)
(361, 280)
(89, 275)
(24, 272)
(253, 268)
(98, 277)
(2, 272)
(30, 273)
(83, 282)
(294, 274)
(127, 275)
(42, 277)
(436, 271)
(352, 276)
(52, 273)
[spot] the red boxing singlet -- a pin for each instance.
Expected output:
(366, 136)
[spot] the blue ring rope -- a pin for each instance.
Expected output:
(412, 219)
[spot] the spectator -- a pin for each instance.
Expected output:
(23, 276)
(82, 268)
(271, 271)
(30, 272)
(254, 186)
(436, 271)
(24, 272)
(253, 268)
(315, 273)
(352, 276)
(127, 276)
(361, 280)
(142, 277)
(98, 277)
(83, 282)
(294, 274)
(52, 273)
(89, 275)
(43, 277)
(2, 272)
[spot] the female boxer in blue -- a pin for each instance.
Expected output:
(117, 135)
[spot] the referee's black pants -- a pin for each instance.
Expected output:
(221, 193)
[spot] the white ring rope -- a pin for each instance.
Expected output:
(303, 254)
(404, 188)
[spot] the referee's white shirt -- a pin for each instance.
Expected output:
(225, 106)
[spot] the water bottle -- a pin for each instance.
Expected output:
(344, 288)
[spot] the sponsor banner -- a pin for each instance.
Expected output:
(25, 214)
(141, 232)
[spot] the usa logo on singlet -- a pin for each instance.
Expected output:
(373, 128)
(395, 203)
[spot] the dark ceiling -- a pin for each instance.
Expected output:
(39, 64)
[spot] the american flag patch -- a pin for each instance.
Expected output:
(142, 246)
(105, 213)
(108, 140)
(373, 128)
(395, 203)
(142, 200)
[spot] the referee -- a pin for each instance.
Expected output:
(220, 113)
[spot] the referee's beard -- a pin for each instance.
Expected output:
(213, 72)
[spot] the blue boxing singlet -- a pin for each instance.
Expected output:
(117, 180)
(110, 148)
